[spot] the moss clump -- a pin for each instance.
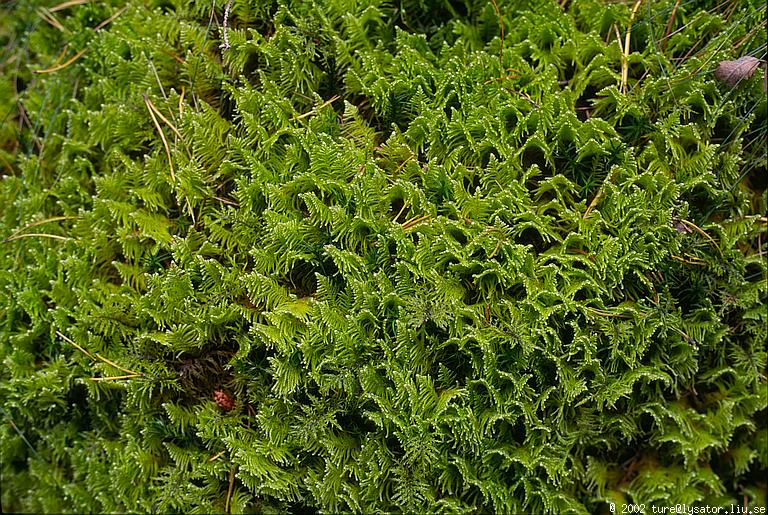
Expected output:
(447, 256)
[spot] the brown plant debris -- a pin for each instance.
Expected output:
(733, 72)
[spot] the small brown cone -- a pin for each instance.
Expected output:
(733, 72)
(224, 400)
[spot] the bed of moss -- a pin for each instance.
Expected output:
(479, 256)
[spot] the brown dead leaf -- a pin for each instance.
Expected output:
(733, 72)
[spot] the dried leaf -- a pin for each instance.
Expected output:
(733, 72)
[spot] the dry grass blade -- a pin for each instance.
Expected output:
(598, 197)
(226, 201)
(181, 101)
(130, 373)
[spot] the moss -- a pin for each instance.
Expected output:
(440, 256)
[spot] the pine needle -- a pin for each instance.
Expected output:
(688, 262)
(64, 5)
(625, 53)
(405, 205)
(36, 235)
(62, 336)
(501, 26)
(108, 362)
(115, 378)
(217, 456)
(162, 135)
(318, 108)
(670, 23)
(704, 234)
(64, 64)
(110, 19)
(46, 15)
(42, 222)
(167, 122)
(607, 314)
(414, 221)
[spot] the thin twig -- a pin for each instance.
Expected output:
(7, 165)
(24, 119)
(157, 77)
(13, 425)
(527, 97)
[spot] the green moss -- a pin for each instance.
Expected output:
(437, 270)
